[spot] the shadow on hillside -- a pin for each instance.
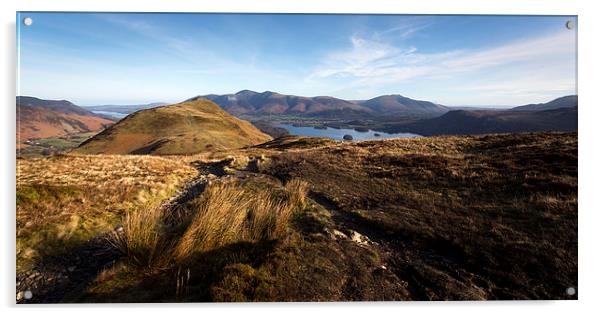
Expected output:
(57, 276)
(194, 281)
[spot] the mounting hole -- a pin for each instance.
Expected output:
(570, 291)
(27, 21)
(569, 24)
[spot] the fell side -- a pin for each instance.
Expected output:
(184, 128)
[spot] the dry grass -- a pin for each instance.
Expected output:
(141, 239)
(297, 190)
(65, 200)
(226, 213)
(179, 129)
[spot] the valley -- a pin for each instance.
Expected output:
(386, 114)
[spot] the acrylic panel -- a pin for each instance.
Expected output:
(196, 157)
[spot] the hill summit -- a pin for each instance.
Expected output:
(185, 128)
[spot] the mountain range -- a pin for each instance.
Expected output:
(38, 118)
(271, 103)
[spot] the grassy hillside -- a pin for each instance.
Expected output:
(34, 122)
(309, 219)
(183, 128)
(63, 201)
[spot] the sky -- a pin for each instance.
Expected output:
(134, 58)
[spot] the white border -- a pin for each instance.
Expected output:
(590, 176)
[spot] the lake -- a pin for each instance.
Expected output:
(113, 114)
(338, 134)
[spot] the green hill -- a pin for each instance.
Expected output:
(183, 128)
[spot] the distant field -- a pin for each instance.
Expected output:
(51, 145)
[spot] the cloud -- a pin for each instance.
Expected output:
(405, 30)
(528, 64)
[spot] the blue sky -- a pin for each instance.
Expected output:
(102, 58)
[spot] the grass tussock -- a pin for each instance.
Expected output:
(141, 238)
(225, 213)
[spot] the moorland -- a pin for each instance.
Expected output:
(187, 203)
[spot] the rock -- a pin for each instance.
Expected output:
(71, 268)
(20, 295)
(377, 134)
(335, 234)
(359, 238)
(347, 137)
(27, 295)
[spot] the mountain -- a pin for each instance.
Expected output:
(251, 102)
(125, 109)
(271, 103)
(62, 106)
(464, 122)
(397, 104)
(38, 118)
(563, 102)
(184, 128)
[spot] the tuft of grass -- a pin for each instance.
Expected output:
(297, 189)
(219, 219)
(141, 238)
(225, 213)
(228, 213)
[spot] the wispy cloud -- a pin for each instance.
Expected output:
(406, 30)
(531, 63)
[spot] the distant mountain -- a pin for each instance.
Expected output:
(38, 118)
(393, 104)
(125, 109)
(271, 103)
(563, 102)
(251, 102)
(464, 122)
(184, 128)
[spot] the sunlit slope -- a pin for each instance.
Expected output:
(183, 128)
